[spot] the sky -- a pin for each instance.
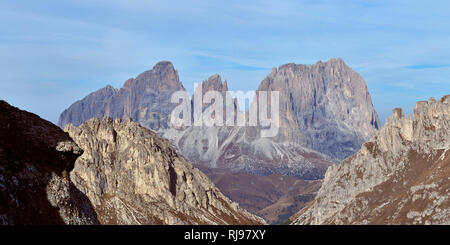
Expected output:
(53, 53)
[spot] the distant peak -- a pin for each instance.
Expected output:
(162, 77)
(160, 67)
(339, 62)
(397, 112)
(284, 66)
(225, 85)
(335, 60)
(110, 87)
(331, 62)
(108, 90)
(214, 82)
(215, 79)
(164, 64)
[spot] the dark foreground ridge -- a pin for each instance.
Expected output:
(35, 160)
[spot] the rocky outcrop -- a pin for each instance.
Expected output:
(400, 176)
(36, 158)
(134, 177)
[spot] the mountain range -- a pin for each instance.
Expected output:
(120, 160)
(325, 112)
(102, 172)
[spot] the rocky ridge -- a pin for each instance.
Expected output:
(36, 158)
(400, 176)
(132, 176)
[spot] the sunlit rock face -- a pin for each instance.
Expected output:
(132, 176)
(400, 176)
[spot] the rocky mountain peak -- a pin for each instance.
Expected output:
(397, 113)
(321, 100)
(145, 99)
(134, 177)
(214, 83)
(400, 176)
(163, 65)
(337, 62)
(162, 77)
(110, 89)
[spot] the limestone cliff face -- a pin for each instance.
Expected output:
(35, 160)
(145, 99)
(325, 107)
(400, 176)
(134, 177)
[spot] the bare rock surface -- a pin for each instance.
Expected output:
(400, 176)
(145, 99)
(132, 176)
(325, 107)
(326, 114)
(36, 158)
(241, 148)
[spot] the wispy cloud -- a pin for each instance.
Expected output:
(427, 66)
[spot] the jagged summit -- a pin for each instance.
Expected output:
(145, 99)
(325, 106)
(164, 64)
(214, 82)
(132, 176)
(110, 88)
(400, 176)
(162, 77)
(331, 62)
(160, 67)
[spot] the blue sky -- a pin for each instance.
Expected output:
(53, 53)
